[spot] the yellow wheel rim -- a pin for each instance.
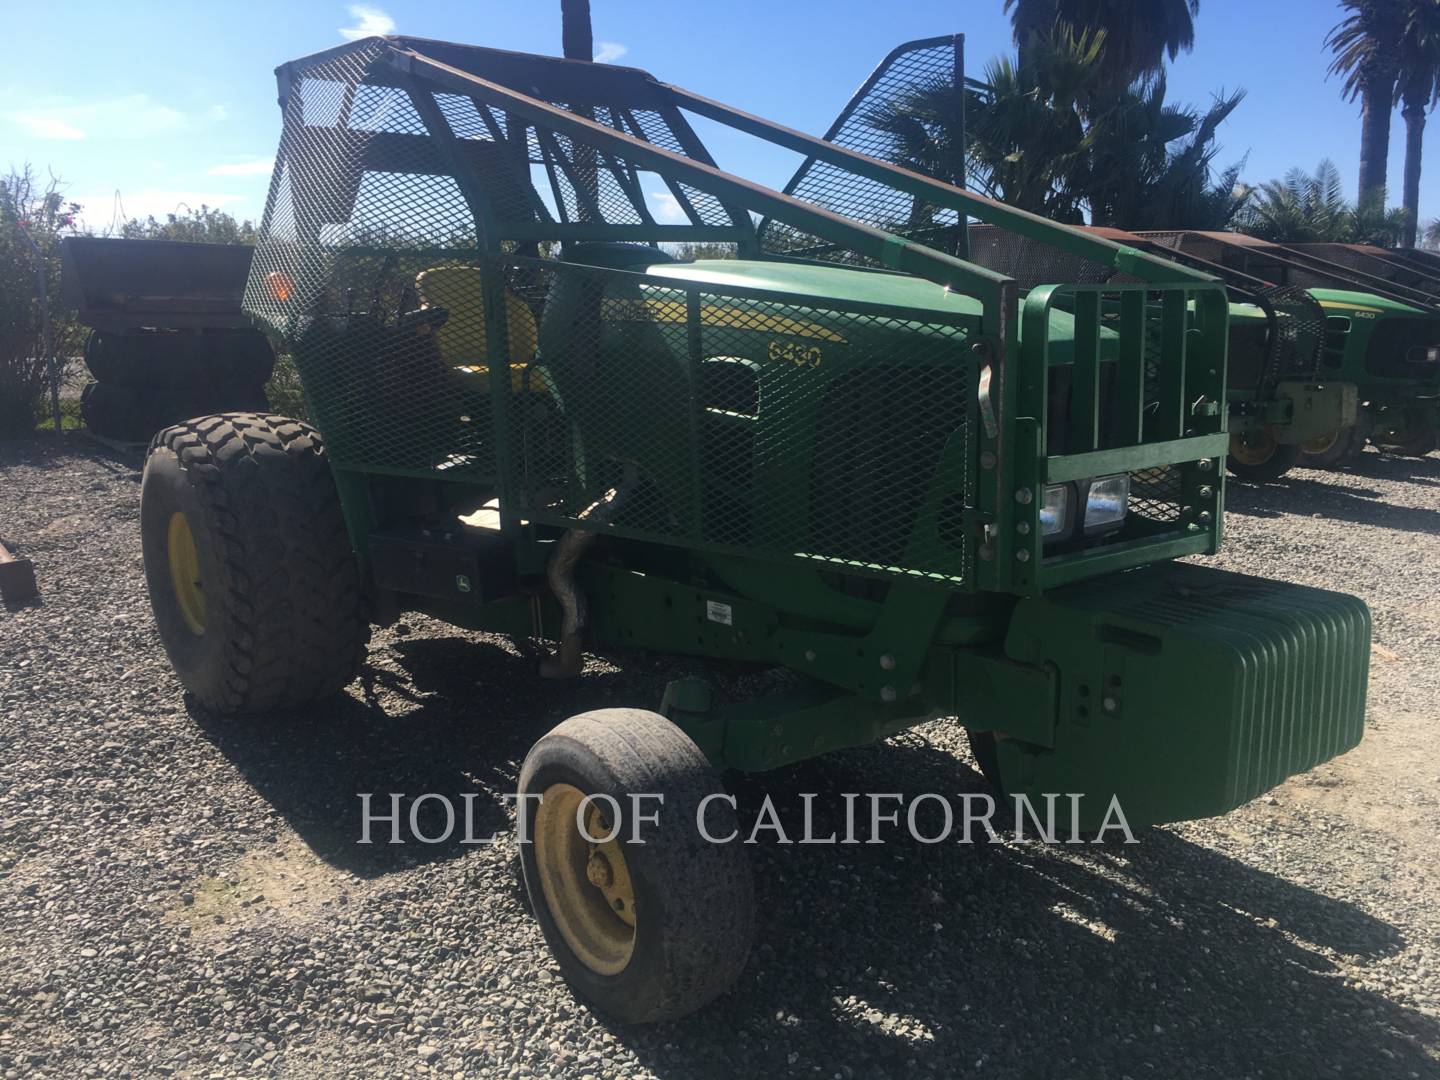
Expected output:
(1253, 447)
(586, 885)
(1322, 444)
(185, 573)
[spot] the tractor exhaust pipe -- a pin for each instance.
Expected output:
(560, 573)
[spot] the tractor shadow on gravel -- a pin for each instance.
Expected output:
(1304, 497)
(449, 715)
(1311, 492)
(886, 959)
(902, 957)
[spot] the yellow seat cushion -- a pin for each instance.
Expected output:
(460, 291)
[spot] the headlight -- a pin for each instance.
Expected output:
(1107, 501)
(1055, 511)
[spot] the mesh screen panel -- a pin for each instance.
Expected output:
(900, 117)
(1299, 327)
(832, 434)
(1032, 263)
(1391, 266)
(1155, 494)
(370, 162)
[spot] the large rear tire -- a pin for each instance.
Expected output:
(149, 359)
(643, 931)
(112, 412)
(254, 584)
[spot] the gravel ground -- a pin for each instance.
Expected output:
(184, 896)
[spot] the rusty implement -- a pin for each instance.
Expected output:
(17, 577)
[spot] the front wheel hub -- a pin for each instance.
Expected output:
(585, 881)
(1255, 446)
(184, 561)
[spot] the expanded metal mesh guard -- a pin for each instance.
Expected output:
(374, 164)
(1032, 263)
(1299, 334)
(400, 259)
(1155, 494)
(737, 420)
(1380, 263)
(755, 422)
(908, 113)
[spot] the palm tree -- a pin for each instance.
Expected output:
(1312, 209)
(1366, 47)
(1302, 208)
(576, 37)
(1418, 89)
(1150, 163)
(1139, 34)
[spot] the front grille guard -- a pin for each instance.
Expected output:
(1163, 421)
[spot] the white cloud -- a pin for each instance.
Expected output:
(607, 52)
(369, 22)
(135, 116)
(666, 209)
(258, 167)
(46, 126)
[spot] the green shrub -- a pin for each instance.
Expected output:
(286, 395)
(41, 213)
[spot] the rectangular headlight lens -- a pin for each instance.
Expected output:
(1108, 499)
(1055, 510)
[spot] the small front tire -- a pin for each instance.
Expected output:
(1334, 451)
(643, 931)
(1257, 458)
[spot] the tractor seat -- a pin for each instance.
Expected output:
(460, 291)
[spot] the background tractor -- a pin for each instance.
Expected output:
(1382, 335)
(849, 457)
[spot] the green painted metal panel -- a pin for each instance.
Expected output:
(1186, 691)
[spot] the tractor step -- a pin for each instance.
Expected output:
(468, 565)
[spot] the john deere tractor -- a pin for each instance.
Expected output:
(848, 456)
(1382, 334)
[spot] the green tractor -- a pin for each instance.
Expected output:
(1382, 335)
(874, 471)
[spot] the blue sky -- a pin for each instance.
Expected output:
(174, 103)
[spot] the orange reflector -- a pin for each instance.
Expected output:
(279, 285)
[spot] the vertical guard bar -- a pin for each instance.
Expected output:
(694, 359)
(497, 359)
(1130, 379)
(1170, 413)
(1085, 375)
